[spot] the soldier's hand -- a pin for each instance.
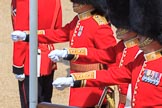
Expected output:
(63, 82)
(54, 58)
(18, 36)
(20, 77)
(56, 55)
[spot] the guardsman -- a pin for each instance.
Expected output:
(124, 52)
(144, 73)
(49, 17)
(89, 29)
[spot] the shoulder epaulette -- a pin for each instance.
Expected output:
(100, 19)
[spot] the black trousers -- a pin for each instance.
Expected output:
(45, 90)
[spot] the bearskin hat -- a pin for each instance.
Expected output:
(118, 13)
(146, 18)
(99, 5)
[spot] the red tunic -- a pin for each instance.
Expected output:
(107, 56)
(89, 32)
(122, 53)
(49, 17)
(144, 75)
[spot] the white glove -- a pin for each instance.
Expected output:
(63, 82)
(20, 77)
(18, 36)
(56, 55)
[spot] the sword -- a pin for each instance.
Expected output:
(105, 94)
(102, 98)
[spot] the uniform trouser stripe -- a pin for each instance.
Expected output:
(23, 94)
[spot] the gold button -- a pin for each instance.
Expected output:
(136, 87)
(133, 104)
(135, 92)
(124, 55)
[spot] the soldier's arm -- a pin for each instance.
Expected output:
(102, 78)
(105, 56)
(51, 35)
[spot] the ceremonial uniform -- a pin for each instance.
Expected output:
(125, 52)
(89, 31)
(20, 15)
(129, 53)
(143, 74)
(49, 17)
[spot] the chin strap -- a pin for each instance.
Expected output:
(147, 41)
